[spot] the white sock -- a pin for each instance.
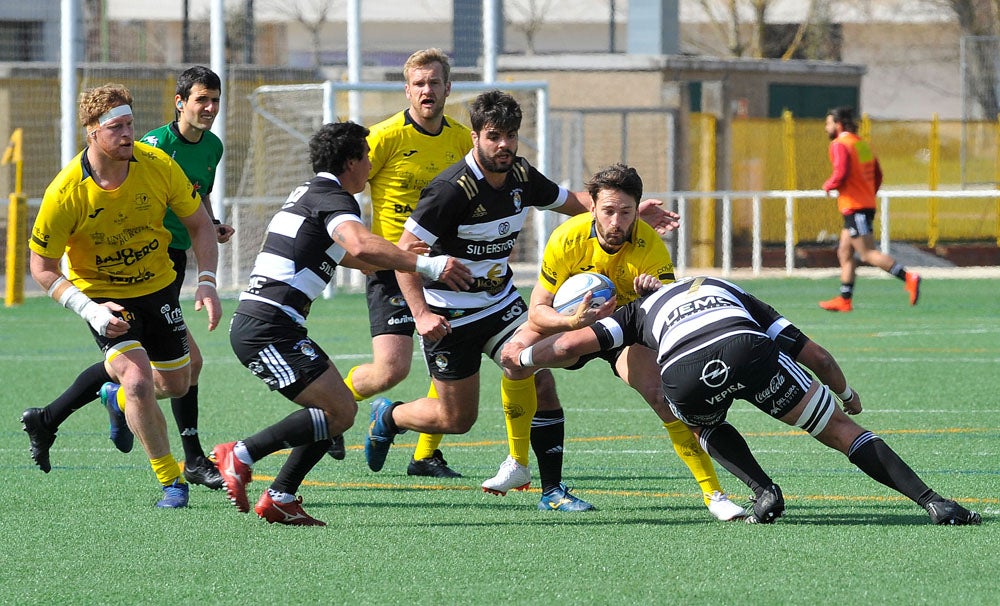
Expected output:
(241, 452)
(280, 497)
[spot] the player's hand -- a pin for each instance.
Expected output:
(509, 355)
(853, 406)
(651, 211)
(586, 315)
(117, 325)
(645, 284)
(224, 232)
(456, 275)
(208, 297)
(431, 326)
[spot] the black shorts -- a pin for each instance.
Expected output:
(282, 355)
(388, 313)
(473, 333)
(180, 260)
(157, 325)
(701, 386)
(859, 223)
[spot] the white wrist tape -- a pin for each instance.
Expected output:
(847, 395)
(96, 315)
(431, 267)
(526, 357)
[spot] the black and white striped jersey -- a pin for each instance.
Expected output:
(299, 255)
(460, 214)
(693, 313)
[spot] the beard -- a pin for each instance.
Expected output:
(614, 239)
(492, 165)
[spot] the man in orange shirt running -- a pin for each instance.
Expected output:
(857, 176)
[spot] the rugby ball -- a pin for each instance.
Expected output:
(571, 292)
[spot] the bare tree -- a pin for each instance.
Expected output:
(532, 13)
(312, 15)
(979, 18)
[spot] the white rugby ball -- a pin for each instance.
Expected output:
(571, 292)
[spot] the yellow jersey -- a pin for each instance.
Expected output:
(114, 240)
(574, 248)
(404, 160)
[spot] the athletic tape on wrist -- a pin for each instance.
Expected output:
(526, 357)
(431, 267)
(847, 395)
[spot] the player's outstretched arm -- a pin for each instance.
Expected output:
(205, 245)
(551, 352)
(825, 367)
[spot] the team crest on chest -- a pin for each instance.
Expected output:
(516, 196)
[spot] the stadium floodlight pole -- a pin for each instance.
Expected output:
(218, 62)
(69, 33)
(490, 41)
(354, 58)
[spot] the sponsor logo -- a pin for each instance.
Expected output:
(121, 238)
(491, 248)
(724, 395)
(504, 228)
(697, 306)
(142, 277)
(141, 201)
(407, 154)
(400, 320)
(96, 212)
(127, 256)
(479, 212)
(305, 347)
(256, 368)
(397, 301)
(714, 373)
(152, 140)
(172, 315)
(327, 269)
(513, 311)
(402, 208)
(771, 390)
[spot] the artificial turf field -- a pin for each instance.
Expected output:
(87, 532)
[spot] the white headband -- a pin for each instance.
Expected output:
(114, 112)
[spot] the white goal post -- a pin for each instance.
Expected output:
(286, 116)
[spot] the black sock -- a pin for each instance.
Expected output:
(847, 290)
(548, 432)
(301, 460)
(185, 410)
(83, 391)
(303, 426)
(882, 464)
(724, 444)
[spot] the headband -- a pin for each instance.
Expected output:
(114, 112)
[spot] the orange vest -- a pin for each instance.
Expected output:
(857, 192)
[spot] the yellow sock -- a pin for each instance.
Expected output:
(696, 459)
(519, 405)
(120, 398)
(350, 384)
(166, 469)
(427, 443)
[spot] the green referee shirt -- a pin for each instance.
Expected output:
(198, 161)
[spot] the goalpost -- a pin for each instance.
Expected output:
(286, 116)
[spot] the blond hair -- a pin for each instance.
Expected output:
(95, 102)
(423, 58)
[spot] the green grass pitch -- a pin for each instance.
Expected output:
(87, 533)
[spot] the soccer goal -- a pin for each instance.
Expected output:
(286, 116)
